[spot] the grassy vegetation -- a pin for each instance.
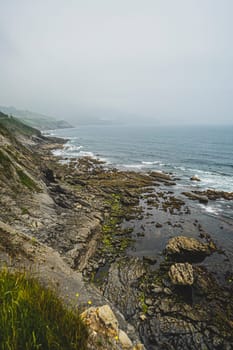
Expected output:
(109, 227)
(27, 181)
(5, 164)
(144, 307)
(14, 125)
(34, 318)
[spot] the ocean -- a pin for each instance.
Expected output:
(184, 151)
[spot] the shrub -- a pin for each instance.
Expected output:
(34, 318)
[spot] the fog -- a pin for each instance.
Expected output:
(162, 61)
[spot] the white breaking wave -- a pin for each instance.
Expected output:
(72, 151)
(58, 152)
(72, 148)
(210, 209)
(131, 166)
(86, 154)
(214, 181)
(151, 163)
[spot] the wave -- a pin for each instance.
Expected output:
(86, 154)
(151, 163)
(215, 178)
(211, 210)
(130, 166)
(72, 151)
(72, 148)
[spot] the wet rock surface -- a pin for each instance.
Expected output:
(181, 274)
(183, 248)
(173, 316)
(197, 196)
(205, 196)
(107, 225)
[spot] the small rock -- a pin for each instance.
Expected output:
(167, 291)
(139, 347)
(148, 301)
(157, 290)
(150, 260)
(181, 274)
(195, 178)
(140, 234)
(124, 340)
(101, 319)
(158, 225)
(142, 317)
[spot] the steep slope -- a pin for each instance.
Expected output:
(36, 207)
(36, 120)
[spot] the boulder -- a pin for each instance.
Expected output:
(181, 274)
(102, 320)
(187, 249)
(195, 178)
(124, 340)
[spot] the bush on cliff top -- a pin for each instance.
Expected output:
(34, 318)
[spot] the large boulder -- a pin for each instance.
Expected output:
(181, 274)
(187, 249)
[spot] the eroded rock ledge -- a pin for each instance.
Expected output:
(77, 209)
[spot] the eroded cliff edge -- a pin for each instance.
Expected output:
(79, 220)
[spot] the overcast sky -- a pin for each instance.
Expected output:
(166, 61)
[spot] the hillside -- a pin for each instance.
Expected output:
(73, 224)
(36, 120)
(40, 220)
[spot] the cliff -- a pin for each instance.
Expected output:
(74, 224)
(33, 207)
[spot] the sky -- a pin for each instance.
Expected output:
(162, 61)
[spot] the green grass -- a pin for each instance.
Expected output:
(34, 318)
(144, 307)
(16, 126)
(27, 181)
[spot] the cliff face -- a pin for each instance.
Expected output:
(37, 208)
(19, 166)
(69, 222)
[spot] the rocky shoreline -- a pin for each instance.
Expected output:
(95, 218)
(165, 313)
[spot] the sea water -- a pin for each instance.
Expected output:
(184, 151)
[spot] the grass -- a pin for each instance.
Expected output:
(144, 307)
(109, 227)
(5, 164)
(14, 125)
(34, 318)
(27, 181)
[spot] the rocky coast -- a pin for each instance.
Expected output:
(125, 239)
